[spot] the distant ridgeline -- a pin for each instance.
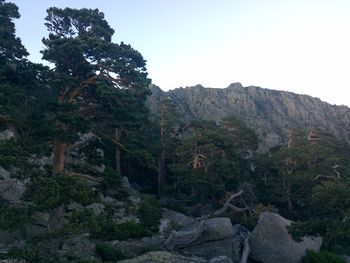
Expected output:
(271, 114)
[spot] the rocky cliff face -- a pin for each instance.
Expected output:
(270, 113)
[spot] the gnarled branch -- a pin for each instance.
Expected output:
(228, 205)
(178, 239)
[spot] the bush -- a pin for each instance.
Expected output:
(149, 213)
(47, 193)
(112, 231)
(112, 178)
(107, 253)
(321, 257)
(12, 218)
(29, 254)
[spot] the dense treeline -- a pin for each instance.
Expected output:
(86, 117)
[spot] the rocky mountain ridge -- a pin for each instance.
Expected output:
(270, 113)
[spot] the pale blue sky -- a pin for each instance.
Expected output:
(301, 46)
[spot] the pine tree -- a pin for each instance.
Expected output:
(85, 59)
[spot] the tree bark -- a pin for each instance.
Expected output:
(160, 171)
(59, 150)
(289, 197)
(117, 151)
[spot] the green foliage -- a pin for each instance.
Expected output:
(175, 206)
(80, 221)
(111, 178)
(149, 213)
(11, 46)
(11, 218)
(321, 257)
(30, 254)
(111, 231)
(108, 253)
(331, 199)
(51, 192)
(336, 234)
(208, 161)
(251, 220)
(286, 177)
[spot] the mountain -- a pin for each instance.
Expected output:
(270, 113)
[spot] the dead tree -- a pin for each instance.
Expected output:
(229, 205)
(179, 239)
(331, 177)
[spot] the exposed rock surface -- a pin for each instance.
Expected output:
(270, 241)
(12, 189)
(173, 220)
(268, 112)
(210, 238)
(162, 257)
(6, 135)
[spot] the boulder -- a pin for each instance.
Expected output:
(42, 223)
(161, 257)
(212, 249)
(229, 246)
(270, 241)
(79, 248)
(135, 247)
(173, 220)
(346, 258)
(6, 135)
(12, 190)
(96, 208)
(210, 238)
(10, 240)
(4, 174)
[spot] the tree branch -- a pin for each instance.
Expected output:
(228, 205)
(85, 176)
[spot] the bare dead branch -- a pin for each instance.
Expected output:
(334, 167)
(85, 176)
(233, 207)
(178, 239)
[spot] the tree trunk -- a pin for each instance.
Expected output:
(117, 151)
(160, 171)
(59, 150)
(289, 197)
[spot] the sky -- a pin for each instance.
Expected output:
(302, 46)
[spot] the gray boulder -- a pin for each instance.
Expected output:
(10, 240)
(135, 247)
(4, 174)
(173, 220)
(209, 238)
(12, 190)
(79, 248)
(6, 135)
(42, 223)
(346, 258)
(226, 243)
(96, 208)
(270, 241)
(162, 257)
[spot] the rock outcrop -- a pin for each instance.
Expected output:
(270, 241)
(270, 113)
(210, 238)
(162, 256)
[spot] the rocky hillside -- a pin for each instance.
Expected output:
(270, 113)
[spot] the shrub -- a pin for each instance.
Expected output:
(107, 253)
(47, 193)
(29, 254)
(321, 257)
(111, 177)
(12, 218)
(112, 231)
(149, 213)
